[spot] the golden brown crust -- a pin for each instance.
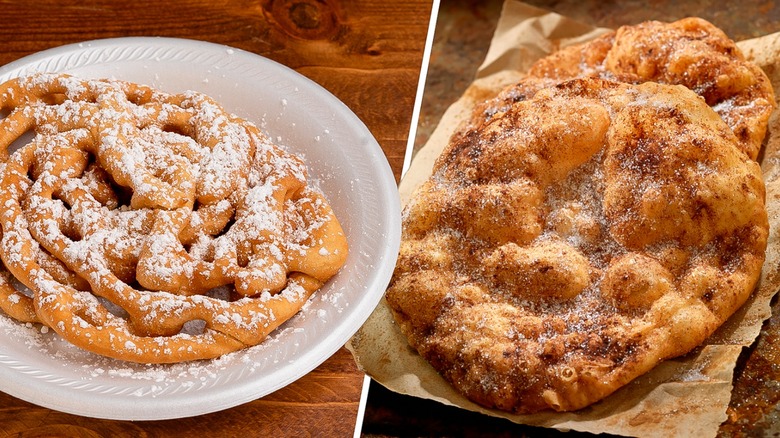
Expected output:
(690, 52)
(576, 238)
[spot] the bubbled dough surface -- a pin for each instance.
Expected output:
(690, 52)
(582, 278)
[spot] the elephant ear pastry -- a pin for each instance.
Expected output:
(570, 240)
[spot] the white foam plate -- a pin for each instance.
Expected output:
(344, 160)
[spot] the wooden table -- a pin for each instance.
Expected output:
(368, 53)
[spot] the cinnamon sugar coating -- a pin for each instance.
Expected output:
(574, 239)
(690, 52)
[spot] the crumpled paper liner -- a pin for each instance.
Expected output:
(686, 396)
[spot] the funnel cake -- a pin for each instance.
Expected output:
(153, 227)
(690, 52)
(574, 240)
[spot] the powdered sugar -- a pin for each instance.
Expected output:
(212, 202)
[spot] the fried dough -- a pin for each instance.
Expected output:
(690, 52)
(572, 239)
(153, 227)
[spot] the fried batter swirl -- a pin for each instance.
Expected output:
(153, 227)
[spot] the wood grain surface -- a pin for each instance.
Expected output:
(368, 53)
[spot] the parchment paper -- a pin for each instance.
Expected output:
(687, 396)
